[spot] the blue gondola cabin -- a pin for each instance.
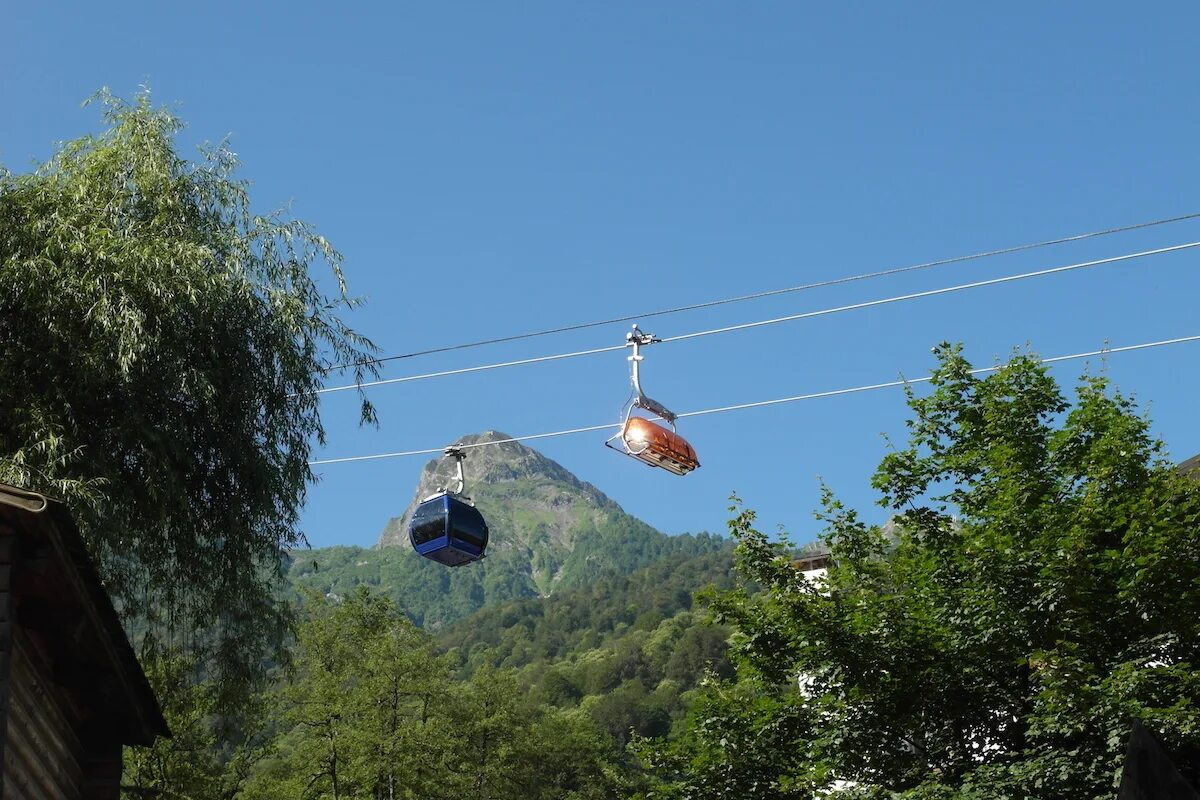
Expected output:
(448, 530)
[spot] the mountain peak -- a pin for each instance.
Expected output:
(485, 468)
(505, 460)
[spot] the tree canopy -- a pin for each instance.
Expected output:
(161, 343)
(373, 712)
(1037, 588)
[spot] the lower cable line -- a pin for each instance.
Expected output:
(742, 406)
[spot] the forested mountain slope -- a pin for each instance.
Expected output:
(628, 649)
(550, 531)
(571, 622)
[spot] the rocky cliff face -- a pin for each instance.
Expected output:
(537, 484)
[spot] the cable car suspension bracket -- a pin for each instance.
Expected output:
(637, 339)
(459, 455)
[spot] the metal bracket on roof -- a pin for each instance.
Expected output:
(458, 455)
(637, 339)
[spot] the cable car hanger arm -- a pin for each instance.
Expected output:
(458, 455)
(636, 339)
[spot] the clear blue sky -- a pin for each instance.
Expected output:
(488, 168)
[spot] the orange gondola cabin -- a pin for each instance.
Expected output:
(657, 446)
(644, 439)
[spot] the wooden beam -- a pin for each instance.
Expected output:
(8, 555)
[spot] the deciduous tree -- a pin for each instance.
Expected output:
(160, 343)
(1037, 589)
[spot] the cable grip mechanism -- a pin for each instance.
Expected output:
(458, 454)
(637, 339)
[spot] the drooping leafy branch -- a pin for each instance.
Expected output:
(161, 342)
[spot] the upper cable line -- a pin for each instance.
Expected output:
(775, 320)
(774, 292)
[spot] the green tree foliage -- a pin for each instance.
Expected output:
(208, 755)
(161, 342)
(628, 650)
(571, 622)
(741, 739)
(435, 597)
(367, 696)
(373, 712)
(1038, 588)
(514, 747)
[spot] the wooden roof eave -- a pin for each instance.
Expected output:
(53, 525)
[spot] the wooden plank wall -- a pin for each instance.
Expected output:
(43, 758)
(8, 546)
(61, 727)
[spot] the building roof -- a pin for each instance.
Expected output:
(59, 599)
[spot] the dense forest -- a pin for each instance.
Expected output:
(435, 597)
(530, 698)
(627, 649)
